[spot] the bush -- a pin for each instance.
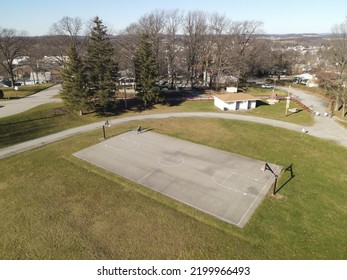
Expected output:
(1, 94)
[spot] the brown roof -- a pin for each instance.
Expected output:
(236, 97)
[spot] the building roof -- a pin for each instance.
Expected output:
(236, 97)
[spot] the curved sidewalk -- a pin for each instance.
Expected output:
(12, 107)
(28, 145)
(324, 127)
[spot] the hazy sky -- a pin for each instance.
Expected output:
(293, 16)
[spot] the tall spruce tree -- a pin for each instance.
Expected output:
(73, 87)
(102, 71)
(146, 73)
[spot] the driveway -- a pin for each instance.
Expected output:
(12, 107)
(324, 127)
(315, 103)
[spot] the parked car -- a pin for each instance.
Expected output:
(267, 86)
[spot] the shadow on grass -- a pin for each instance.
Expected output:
(288, 169)
(121, 107)
(37, 119)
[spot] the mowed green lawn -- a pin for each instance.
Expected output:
(55, 206)
(54, 117)
(37, 122)
(23, 91)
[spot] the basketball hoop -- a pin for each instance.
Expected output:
(265, 167)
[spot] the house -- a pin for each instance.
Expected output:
(235, 101)
(231, 89)
(306, 79)
(127, 81)
(40, 77)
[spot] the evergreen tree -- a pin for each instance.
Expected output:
(73, 88)
(146, 73)
(102, 71)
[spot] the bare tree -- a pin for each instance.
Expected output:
(334, 75)
(68, 31)
(126, 44)
(211, 45)
(12, 46)
(35, 60)
(153, 25)
(69, 27)
(283, 57)
(261, 60)
(195, 29)
(243, 47)
(174, 20)
(216, 48)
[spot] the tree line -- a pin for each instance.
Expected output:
(195, 48)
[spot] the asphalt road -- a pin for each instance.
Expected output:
(315, 103)
(324, 127)
(13, 107)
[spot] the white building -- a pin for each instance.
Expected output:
(41, 77)
(20, 60)
(306, 79)
(235, 101)
(231, 89)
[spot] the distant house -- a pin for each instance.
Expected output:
(41, 77)
(306, 79)
(231, 89)
(127, 81)
(235, 101)
(20, 60)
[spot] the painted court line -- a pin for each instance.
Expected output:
(222, 184)
(250, 207)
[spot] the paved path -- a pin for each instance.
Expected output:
(315, 103)
(12, 107)
(25, 146)
(324, 127)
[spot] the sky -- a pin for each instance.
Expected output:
(278, 17)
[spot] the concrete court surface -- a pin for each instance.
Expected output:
(222, 184)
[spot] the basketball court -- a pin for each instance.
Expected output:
(222, 184)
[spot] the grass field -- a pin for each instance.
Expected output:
(54, 206)
(38, 122)
(23, 91)
(51, 118)
(257, 90)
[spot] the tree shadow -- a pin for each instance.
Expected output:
(134, 104)
(37, 119)
(288, 169)
(121, 107)
(176, 98)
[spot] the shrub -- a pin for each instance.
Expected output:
(1, 94)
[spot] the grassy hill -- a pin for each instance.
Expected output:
(55, 206)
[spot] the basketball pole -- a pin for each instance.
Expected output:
(267, 167)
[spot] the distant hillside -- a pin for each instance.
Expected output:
(312, 39)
